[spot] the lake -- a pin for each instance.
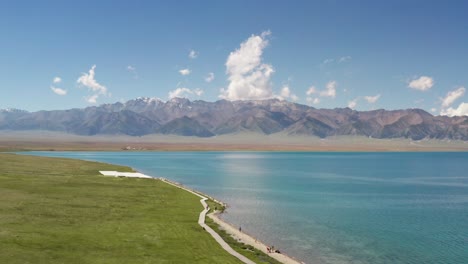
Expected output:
(328, 207)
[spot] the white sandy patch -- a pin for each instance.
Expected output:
(125, 174)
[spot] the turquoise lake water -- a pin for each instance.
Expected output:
(329, 207)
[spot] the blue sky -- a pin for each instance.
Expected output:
(362, 54)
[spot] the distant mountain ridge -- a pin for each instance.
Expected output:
(180, 116)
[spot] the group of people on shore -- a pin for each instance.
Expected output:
(271, 249)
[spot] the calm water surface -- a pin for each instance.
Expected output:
(329, 207)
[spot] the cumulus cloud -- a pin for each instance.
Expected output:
(452, 96)
(311, 90)
(353, 103)
(312, 100)
(422, 83)
(185, 71)
(330, 90)
(179, 92)
(55, 89)
(183, 92)
(92, 99)
(88, 80)
(461, 110)
(248, 76)
(193, 54)
(198, 92)
(286, 93)
(58, 91)
(372, 99)
(210, 77)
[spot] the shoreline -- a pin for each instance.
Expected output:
(202, 215)
(201, 222)
(245, 238)
(231, 230)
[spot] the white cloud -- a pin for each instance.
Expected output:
(294, 98)
(337, 60)
(286, 93)
(210, 77)
(344, 59)
(330, 90)
(422, 83)
(327, 61)
(193, 54)
(312, 100)
(179, 92)
(184, 92)
(311, 90)
(372, 99)
(185, 71)
(88, 80)
(92, 99)
(249, 77)
(133, 70)
(353, 103)
(433, 110)
(461, 110)
(452, 96)
(58, 91)
(198, 92)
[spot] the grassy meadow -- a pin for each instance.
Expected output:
(62, 211)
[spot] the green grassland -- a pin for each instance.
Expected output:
(61, 211)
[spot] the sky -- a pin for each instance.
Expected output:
(360, 54)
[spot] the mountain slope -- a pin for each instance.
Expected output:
(180, 116)
(185, 126)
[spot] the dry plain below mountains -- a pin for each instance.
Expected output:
(47, 140)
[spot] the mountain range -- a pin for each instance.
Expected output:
(180, 116)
